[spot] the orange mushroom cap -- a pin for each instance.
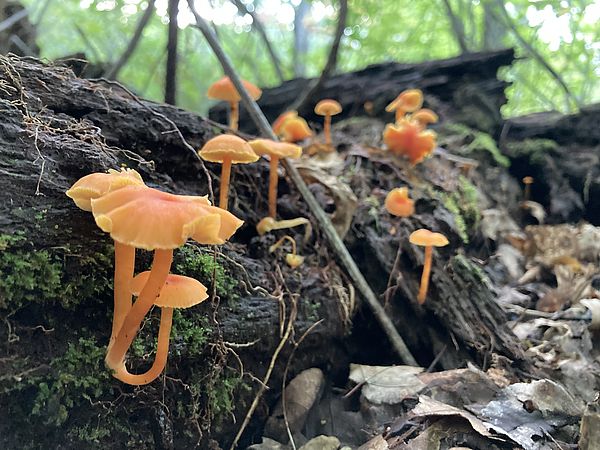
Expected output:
(293, 260)
(409, 100)
(410, 140)
(96, 185)
(427, 238)
(228, 146)
(177, 292)
(151, 219)
(282, 119)
(295, 129)
(224, 89)
(279, 149)
(328, 107)
(424, 116)
(398, 203)
(528, 180)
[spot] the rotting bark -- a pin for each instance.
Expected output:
(463, 89)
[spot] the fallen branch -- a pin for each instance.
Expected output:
(323, 220)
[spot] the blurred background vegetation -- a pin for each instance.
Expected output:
(557, 42)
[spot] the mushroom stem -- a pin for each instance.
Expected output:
(527, 192)
(399, 114)
(425, 276)
(225, 175)
(160, 270)
(273, 180)
(160, 360)
(124, 265)
(234, 115)
(327, 129)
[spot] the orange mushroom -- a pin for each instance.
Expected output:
(295, 129)
(282, 119)
(224, 89)
(527, 181)
(408, 138)
(328, 108)
(292, 259)
(424, 117)
(398, 203)
(227, 149)
(275, 151)
(82, 192)
(177, 292)
(147, 218)
(408, 101)
(428, 239)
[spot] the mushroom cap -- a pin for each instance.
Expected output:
(274, 148)
(96, 185)
(224, 89)
(228, 146)
(177, 292)
(528, 180)
(408, 139)
(328, 107)
(428, 238)
(398, 203)
(283, 117)
(425, 116)
(293, 260)
(295, 129)
(409, 100)
(151, 219)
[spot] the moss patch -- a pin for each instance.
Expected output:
(476, 141)
(464, 206)
(532, 149)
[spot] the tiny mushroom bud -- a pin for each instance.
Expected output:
(398, 203)
(227, 149)
(295, 129)
(292, 259)
(275, 151)
(428, 239)
(224, 89)
(328, 108)
(408, 101)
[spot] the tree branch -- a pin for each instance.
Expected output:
(318, 83)
(323, 220)
(171, 71)
(256, 23)
(113, 72)
(457, 27)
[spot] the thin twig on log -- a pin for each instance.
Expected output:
(323, 220)
(318, 83)
(16, 17)
(113, 72)
(171, 72)
(569, 97)
(256, 23)
(457, 27)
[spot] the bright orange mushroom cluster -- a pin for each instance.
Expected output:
(408, 136)
(137, 216)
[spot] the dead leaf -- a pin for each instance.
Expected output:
(387, 384)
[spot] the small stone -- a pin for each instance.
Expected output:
(268, 444)
(322, 443)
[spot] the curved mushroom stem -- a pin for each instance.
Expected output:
(158, 275)
(273, 180)
(234, 115)
(425, 276)
(124, 265)
(327, 129)
(277, 244)
(160, 360)
(224, 191)
(399, 113)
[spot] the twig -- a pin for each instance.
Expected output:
(171, 70)
(457, 27)
(113, 72)
(323, 220)
(16, 17)
(256, 23)
(317, 84)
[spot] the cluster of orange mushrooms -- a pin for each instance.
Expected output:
(139, 217)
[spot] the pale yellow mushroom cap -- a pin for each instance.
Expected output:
(279, 149)
(328, 107)
(427, 238)
(228, 146)
(177, 292)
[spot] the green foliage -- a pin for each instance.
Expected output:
(193, 329)
(193, 262)
(477, 141)
(532, 149)
(464, 206)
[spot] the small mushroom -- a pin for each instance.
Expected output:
(427, 239)
(407, 138)
(328, 108)
(227, 149)
(177, 292)
(224, 89)
(275, 151)
(281, 120)
(408, 101)
(292, 259)
(398, 203)
(424, 117)
(269, 224)
(295, 129)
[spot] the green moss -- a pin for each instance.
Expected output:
(464, 206)
(193, 262)
(477, 141)
(532, 149)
